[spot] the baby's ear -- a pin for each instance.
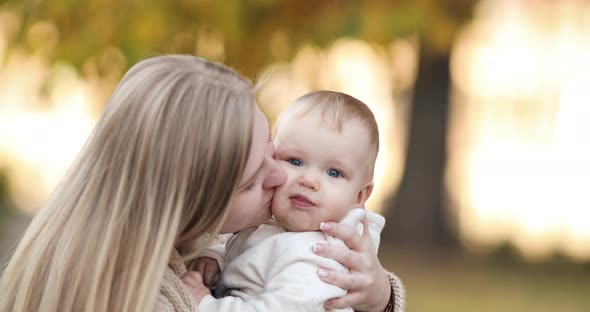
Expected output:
(363, 195)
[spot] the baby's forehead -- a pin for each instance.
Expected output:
(332, 120)
(309, 133)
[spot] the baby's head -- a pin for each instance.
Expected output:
(327, 142)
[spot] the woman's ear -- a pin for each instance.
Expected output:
(363, 195)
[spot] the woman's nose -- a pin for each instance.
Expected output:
(308, 181)
(276, 176)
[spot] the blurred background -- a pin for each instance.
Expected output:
(484, 121)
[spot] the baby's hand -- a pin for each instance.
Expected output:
(194, 282)
(208, 268)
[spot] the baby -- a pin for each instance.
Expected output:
(327, 143)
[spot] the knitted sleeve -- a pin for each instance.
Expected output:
(173, 296)
(397, 301)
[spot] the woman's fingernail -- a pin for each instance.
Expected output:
(322, 273)
(325, 226)
(317, 247)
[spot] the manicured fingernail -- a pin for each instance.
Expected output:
(317, 247)
(325, 226)
(322, 273)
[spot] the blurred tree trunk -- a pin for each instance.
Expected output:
(417, 217)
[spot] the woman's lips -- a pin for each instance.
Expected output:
(301, 201)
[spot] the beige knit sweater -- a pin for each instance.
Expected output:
(174, 297)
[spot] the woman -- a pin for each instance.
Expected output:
(180, 153)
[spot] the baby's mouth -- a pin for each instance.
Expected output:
(301, 201)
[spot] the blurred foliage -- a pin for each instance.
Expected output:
(7, 208)
(462, 282)
(254, 32)
(507, 254)
(3, 187)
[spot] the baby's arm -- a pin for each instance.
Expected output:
(287, 274)
(209, 262)
(290, 290)
(208, 268)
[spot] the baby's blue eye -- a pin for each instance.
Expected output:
(334, 173)
(295, 162)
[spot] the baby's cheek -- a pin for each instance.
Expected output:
(341, 207)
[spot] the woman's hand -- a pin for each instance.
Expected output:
(194, 283)
(367, 282)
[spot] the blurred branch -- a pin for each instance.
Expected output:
(144, 28)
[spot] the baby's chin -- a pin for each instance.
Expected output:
(300, 228)
(297, 226)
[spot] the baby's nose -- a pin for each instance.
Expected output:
(309, 181)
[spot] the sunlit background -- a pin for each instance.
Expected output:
(519, 137)
(517, 145)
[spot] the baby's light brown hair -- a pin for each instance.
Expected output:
(335, 108)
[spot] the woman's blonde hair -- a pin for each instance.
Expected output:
(157, 173)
